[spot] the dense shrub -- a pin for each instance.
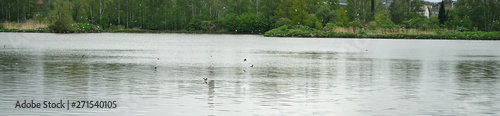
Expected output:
(304, 31)
(196, 24)
(86, 27)
(246, 22)
(262, 23)
(230, 22)
(293, 31)
(282, 22)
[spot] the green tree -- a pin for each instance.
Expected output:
(482, 13)
(383, 21)
(341, 19)
(325, 13)
(442, 15)
(373, 8)
(296, 10)
(402, 10)
(247, 22)
(62, 17)
(231, 22)
(262, 23)
(359, 10)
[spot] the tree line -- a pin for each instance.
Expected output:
(251, 16)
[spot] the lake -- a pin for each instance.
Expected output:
(162, 74)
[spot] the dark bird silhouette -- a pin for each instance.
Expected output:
(205, 79)
(155, 68)
(244, 60)
(244, 71)
(252, 65)
(83, 55)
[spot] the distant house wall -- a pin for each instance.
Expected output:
(425, 11)
(343, 5)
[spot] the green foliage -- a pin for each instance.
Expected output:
(318, 25)
(402, 10)
(298, 12)
(62, 18)
(18, 10)
(293, 31)
(382, 20)
(481, 13)
(196, 24)
(356, 24)
(116, 27)
(304, 31)
(282, 22)
(415, 22)
(329, 26)
(314, 22)
(86, 27)
(295, 10)
(496, 25)
(80, 12)
(372, 25)
(442, 15)
(230, 22)
(326, 14)
(454, 22)
(247, 22)
(226, 15)
(361, 32)
(432, 23)
(262, 23)
(342, 19)
(359, 10)
(1, 26)
(315, 6)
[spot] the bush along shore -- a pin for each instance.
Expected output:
(90, 28)
(304, 31)
(283, 31)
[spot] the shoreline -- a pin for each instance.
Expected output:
(448, 36)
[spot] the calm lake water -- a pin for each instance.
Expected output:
(290, 76)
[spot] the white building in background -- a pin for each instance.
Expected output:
(425, 11)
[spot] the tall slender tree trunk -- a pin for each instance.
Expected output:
(128, 11)
(24, 12)
(17, 5)
(192, 9)
(166, 15)
(373, 9)
(100, 11)
(91, 14)
(257, 6)
(119, 16)
(210, 8)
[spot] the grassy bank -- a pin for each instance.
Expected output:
(47, 30)
(304, 31)
(29, 24)
(283, 31)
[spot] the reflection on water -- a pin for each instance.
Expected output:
(406, 76)
(162, 74)
(478, 84)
